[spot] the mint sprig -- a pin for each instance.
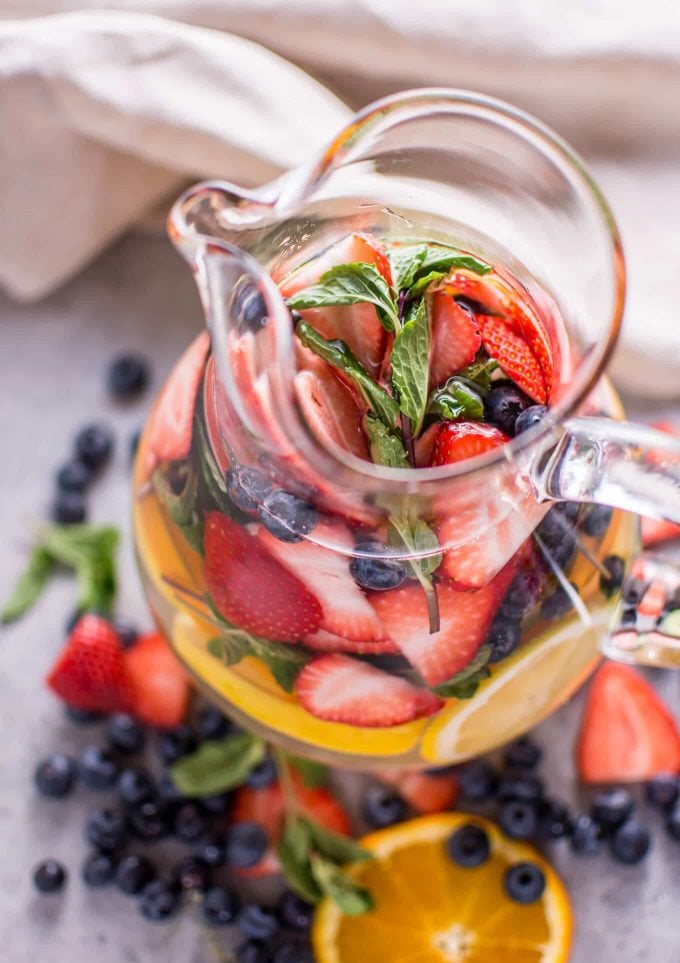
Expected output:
(354, 283)
(465, 683)
(416, 267)
(410, 360)
(218, 765)
(415, 536)
(386, 446)
(458, 398)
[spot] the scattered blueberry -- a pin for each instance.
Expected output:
(97, 768)
(128, 376)
(99, 869)
(611, 807)
(249, 308)
(212, 724)
(149, 822)
(503, 406)
(291, 950)
(524, 882)
(374, 572)
(477, 781)
(82, 717)
(94, 445)
(220, 906)
(74, 476)
(158, 901)
(49, 876)
(217, 805)
(518, 820)
(133, 873)
(286, 516)
(135, 786)
(558, 603)
(167, 791)
(586, 836)
(663, 791)
(252, 952)
(264, 774)
(257, 922)
(628, 617)
(106, 829)
(245, 844)
(295, 912)
(68, 508)
(469, 846)
(212, 850)
(554, 821)
(673, 822)
(520, 788)
(530, 417)
(630, 842)
(382, 807)
(189, 822)
(128, 633)
(522, 754)
(247, 487)
(55, 775)
(135, 438)
(616, 567)
(596, 520)
(191, 873)
(522, 595)
(172, 744)
(503, 639)
(125, 734)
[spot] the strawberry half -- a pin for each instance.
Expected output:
(160, 686)
(341, 689)
(251, 588)
(627, 733)
(168, 431)
(324, 572)
(514, 356)
(426, 792)
(89, 672)
(331, 410)
(457, 440)
(323, 641)
(455, 338)
(358, 325)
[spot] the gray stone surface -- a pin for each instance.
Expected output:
(52, 359)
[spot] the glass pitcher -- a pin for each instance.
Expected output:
(275, 628)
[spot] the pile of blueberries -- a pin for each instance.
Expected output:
(148, 809)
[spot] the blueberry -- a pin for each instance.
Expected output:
(135, 786)
(212, 851)
(133, 873)
(286, 516)
(249, 308)
(55, 775)
(522, 595)
(220, 906)
(191, 873)
(128, 376)
(628, 617)
(295, 913)
(522, 754)
(596, 520)
(106, 829)
(213, 724)
(252, 952)
(524, 882)
(586, 836)
(257, 922)
(247, 487)
(158, 901)
(554, 821)
(133, 443)
(291, 950)
(97, 768)
(556, 528)
(127, 632)
(477, 781)
(503, 406)
(503, 639)
(611, 807)
(518, 820)
(189, 822)
(558, 603)
(245, 844)
(616, 567)
(663, 791)
(374, 572)
(673, 822)
(530, 417)
(469, 846)
(94, 445)
(99, 869)
(382, 807)
(630, 843)
(49, 876)
(520, 788)
(217, 805)
(74, 476)
(125, 734)
(150, 821)
(633, 590)
(172, 744)
(263, 775)
(68, 508)
(167, 791)
(83, 717)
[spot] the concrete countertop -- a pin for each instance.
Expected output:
(53, 358)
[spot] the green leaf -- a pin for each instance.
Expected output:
(90, 551)
(313, 774)
(230, 647)
(218, 766)
(405, 262)
(464, 684)
(355, 283)
(349, 896)
(410, 360)
(458, 398)
(30, 584)
(479, 372)
(216, 647)
(386, 446)
(337, 354)
(183, 507)
(335, 846)
(424, 539)
(293, 851)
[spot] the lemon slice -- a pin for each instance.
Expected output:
(430, 910)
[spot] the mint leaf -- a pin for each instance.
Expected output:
(30, 585)
(437, 264)
(464, 684)
(410, 360)
(355, 283)
(424, 539)
(293, 851)
(479, 372)
(217, 767)
(405, 262)
(386, 446)
(414, 535)
(458, 398)
(230, 648)
(337, 354)
(335, 846)
(90, 551)
(313, 774)
(182, 507)
(349, 896)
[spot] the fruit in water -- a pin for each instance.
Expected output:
(514, 356)
(504, 405)
(457, 440)
(331, 410)
(455, 338)
(323, 641)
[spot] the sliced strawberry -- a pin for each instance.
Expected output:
(655, 530)
(225, 430)
(514, 356)
(341, 689)
(426, 792)
(424, 446)
(457, 440)
(357, 324)
(168, 431)
(160, 686)
(89, 672)
(251, 588)
(455, 338)
(324, 571)
(654, 599)
(331, 411)
(627, 733)
(323, 641)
